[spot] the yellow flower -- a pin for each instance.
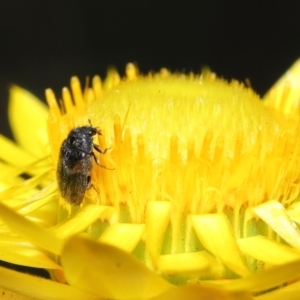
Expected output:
(196, 197)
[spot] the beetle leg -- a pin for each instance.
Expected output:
(95, 189)
(95, 158)
(97, 148)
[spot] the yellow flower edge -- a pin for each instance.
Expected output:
(179, 192)
(284, 95)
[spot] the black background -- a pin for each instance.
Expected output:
(44, 43)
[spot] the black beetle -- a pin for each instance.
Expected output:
(75, 163)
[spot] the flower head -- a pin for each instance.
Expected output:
(200, 184)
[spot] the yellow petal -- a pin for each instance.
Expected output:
(289, 292)
(28, 120)
(215, 233)
(36, 203)
(123, 236)
(268, 251)
(24, 187)
(108, 272)
(13, 154)
(157, 219)
(8, 174)
(87, 215)
(267, 279)
(197, 292)
(195, 263)
(9, 295)
(39, 288)
(275, 215)
(37, 235)
(18, 251)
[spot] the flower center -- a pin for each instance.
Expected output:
(181, 145)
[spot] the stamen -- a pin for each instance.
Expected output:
(131, 72)
(117, 131)
(52, 103)
(77, 92)
(97, 87)
(67, 99)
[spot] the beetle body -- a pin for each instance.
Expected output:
(75, 163)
